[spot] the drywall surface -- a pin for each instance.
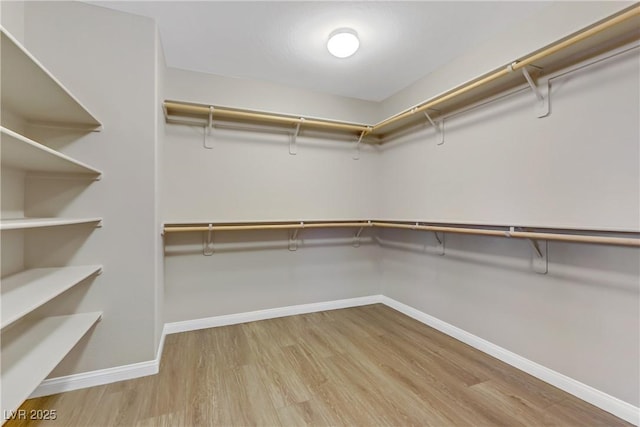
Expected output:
(159, 150)
(107, 60)
(550, 24)
(581, 319)
(500, 164)
(12, 18)
(202, 88)
(11, 206)
(251, 176)
(256, 270)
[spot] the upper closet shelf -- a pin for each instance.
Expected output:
(604, 36)
(22, 153)
(25, 223)
(31, 91)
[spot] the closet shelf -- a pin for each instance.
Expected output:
(25, 223)
(26, 291)
(615, 31)
(576, 236)
(28, 357)
(31, 91)
(19, 152)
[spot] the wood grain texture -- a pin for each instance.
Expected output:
(359, 366)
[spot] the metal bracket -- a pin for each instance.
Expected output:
(293, 148)
(541, 93)
(207, 130)
(207, 242)
(356, 155)
(539, 258)
(293, 238)
(356, 237)
(440, 240)
(439, 127)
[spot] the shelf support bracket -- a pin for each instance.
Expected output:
(356, 154)
(440, 240)
(293, 148)
(207, 242)
(208, 129)
(539, 259)
(439, 127)
(542, 99)
(293, 238)
(356, 237)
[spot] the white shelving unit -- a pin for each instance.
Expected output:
(33, 92)
(24, 223)
(25, 291)
(32, 346)
(22, 153)
(28, 357)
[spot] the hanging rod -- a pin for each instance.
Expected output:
(506, 232)
(177, 107)
(184, 108)
(534, 235)
(515, 65)
(263, 226)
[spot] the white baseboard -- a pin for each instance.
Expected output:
(587, 393)
(271, 313)
(101, 376)
(602, 400)
(136, 370)
(95, 378)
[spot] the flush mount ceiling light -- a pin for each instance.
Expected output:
(343, 43)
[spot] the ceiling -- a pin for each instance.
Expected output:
(285, 42)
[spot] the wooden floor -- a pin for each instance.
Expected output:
(365, 366)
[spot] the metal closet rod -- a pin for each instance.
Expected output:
(230, 113)
(535, 235)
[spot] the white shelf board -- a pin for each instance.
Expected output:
(23, 292)
(20, 152)
(23, 223)
(31, 91)
(28, 358)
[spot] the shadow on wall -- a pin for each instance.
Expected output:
(179, 244)
(589, 265)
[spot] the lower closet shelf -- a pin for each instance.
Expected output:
(25, 291)
(22, 223)
(28, 357)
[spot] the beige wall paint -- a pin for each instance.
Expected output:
(552, 23)
(502, 165)
(205, 88)
(108, 60)
(12, 18)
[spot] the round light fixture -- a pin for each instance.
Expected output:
(343, 43)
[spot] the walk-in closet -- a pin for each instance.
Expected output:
(320, 213)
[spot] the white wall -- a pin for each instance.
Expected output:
(205, 88)
(577, 168)
(159, 151)
(500, 164)
(250, 176)
(108, 60)
(255, 271)
(12, 18)
(581, 319)
(554, 22)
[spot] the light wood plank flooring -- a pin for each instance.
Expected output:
(365, 366)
